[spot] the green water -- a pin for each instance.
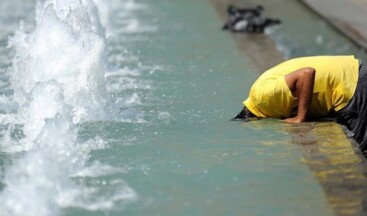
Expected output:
(196, 161)
(303, 33)
(178, 149)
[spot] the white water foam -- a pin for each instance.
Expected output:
(64, 47)
(58, 80)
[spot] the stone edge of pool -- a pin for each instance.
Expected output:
(340, 169)
(346, 16)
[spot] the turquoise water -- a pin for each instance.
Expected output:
(149, 132)
(303, 33)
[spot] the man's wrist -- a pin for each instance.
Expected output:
(301, 118)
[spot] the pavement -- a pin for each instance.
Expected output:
(347, 16)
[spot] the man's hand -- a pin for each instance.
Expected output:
(293, 120)
(301, 83)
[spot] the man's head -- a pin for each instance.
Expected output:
(245, 114)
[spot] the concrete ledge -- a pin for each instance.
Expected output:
(347, 16)
(337, 164)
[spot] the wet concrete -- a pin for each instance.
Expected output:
(336, 163)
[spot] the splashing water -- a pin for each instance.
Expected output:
(58, 81)
(67, 46)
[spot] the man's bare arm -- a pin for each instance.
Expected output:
(301, 83)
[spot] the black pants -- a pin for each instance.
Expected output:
(354, 115)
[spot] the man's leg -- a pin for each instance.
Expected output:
(354, 115)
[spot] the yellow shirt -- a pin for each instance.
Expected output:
(335, 82)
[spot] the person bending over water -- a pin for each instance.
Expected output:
(310, 88)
